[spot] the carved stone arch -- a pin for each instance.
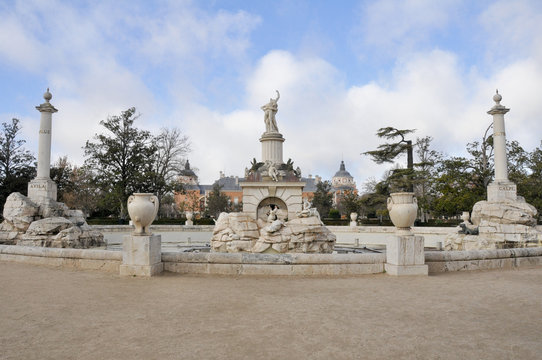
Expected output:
(265, 205)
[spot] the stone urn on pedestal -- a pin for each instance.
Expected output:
(141, 250)
(403, 209)
(353, 218)
(189, 215)
(404, 250)
(142, 208)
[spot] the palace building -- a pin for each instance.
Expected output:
(195, 195)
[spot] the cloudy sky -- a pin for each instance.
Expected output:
(343, 68)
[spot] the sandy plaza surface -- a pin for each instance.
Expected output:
(49, 313)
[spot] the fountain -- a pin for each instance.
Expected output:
(274, 218)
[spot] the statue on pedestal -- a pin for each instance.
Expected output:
(270, 109)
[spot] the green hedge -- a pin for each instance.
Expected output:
(165, 221)
(335, 222)
(326, 221)
(106, 221)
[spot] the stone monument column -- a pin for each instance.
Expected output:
(42, 188)
(501, 188)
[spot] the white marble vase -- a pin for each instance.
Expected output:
(189, 216)
(403, 208)
(353, 218)
(142, 208)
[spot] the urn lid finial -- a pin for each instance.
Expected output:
(47, 96)
(497, 97)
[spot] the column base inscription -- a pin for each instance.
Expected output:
(41, 189)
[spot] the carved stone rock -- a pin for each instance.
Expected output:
(238, 232)
(509, 212)
(48, 224)
(19, 212)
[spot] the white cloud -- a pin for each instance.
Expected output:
(394, 26)
(95, 59)
(187, 32)
(512, 29)
(17, 46)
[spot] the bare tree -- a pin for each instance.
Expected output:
(169, 159)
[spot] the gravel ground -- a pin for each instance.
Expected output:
(48, 313)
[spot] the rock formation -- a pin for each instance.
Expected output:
(502, 224)
(48, 224)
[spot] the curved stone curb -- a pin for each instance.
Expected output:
(82, 259)
(61, 253)
(437, 256)
(448, 261)
(279, 259)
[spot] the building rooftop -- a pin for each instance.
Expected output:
(187, 171)
(342, 172)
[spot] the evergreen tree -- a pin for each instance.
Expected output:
(388, 152)
(424, 175)
(323, 198)
(349, 202)
(217, 202)
(121, 158)
(16, 163)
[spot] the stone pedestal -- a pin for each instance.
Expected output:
(405, 255)
(141, 255)
(501, 191)
(272, 147)
(41, 189)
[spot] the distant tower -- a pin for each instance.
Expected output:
(188, 176)
(42, 188)
(342, 182)
(342, 179)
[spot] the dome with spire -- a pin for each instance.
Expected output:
(187, 175)
(343, 179)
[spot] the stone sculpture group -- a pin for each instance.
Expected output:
(270, 110)
(239, 232)
(273, 220)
